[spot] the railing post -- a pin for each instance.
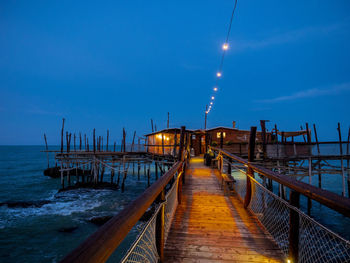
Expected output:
(229, 168)
(160, 224)
(294, 227)
(179, 189)
(251, 149)
(183, 172)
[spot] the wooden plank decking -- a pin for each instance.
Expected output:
(211, 227)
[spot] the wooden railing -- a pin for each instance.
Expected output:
(100, 245)
(334, 201)
(331, 200)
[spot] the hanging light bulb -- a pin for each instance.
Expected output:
(225, 46)
(212, 97)
(211, 103)
(215, 89)
(218, 74)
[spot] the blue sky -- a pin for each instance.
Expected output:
(121, 63)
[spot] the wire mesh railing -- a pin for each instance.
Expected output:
(290, 227)
(170, 207)
(319, 244)
(144, 248)
(316, 242)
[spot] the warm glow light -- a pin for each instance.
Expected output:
(212, 97)
(211, 103)
(218, 74)
(225, 46)
(215, 89)
(289, 261)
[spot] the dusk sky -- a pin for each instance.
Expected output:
(115, 64)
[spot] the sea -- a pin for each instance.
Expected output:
(40, 224)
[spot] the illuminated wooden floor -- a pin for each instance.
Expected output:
(210, 227)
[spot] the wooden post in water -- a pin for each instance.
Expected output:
(251, 151)
(107, 140)
(124, 140)
(94, 141)
(341, 159)
(80, 141)
(160, 227)
(62, 135)
(309, 203)
(319, 162)
(294, 227)
(47, 153)
(263, 135)
(62, 175)
(277, 141)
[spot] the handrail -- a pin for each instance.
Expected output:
(101, 244)
(336, 202)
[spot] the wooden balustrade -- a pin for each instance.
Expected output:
(101, 244)
(333, 201)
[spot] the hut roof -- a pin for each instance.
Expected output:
(170, 130)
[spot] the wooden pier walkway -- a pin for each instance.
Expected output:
(211, 227)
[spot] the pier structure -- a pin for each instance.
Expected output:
(225, 212)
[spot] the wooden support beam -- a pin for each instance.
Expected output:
(160, 227)
(251, 152)
(47, 153)
(341, 159)
(94, 141)
(62, 135)
(263, 135)
(107, 140)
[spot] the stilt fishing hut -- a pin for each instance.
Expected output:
(165, 142)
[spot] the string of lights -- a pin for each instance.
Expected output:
(225, 48)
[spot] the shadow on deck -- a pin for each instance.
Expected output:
(211, 227)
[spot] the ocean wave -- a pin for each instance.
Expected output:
(60, 204)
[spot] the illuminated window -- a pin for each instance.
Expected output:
(193, 137)
(218, 134)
